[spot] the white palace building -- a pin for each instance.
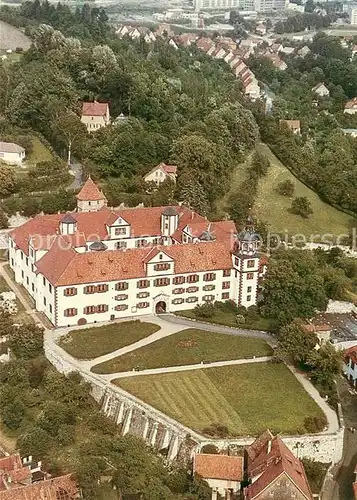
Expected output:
(97, 264)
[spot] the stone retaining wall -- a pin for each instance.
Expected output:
(164, 433)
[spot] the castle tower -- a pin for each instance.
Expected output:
(246, 263)
(169, 221)
(90, 198)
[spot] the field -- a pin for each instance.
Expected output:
(184, 348)
(39, 153)
(11, 37)
(247, 399)
(274, 208)
(89, 343)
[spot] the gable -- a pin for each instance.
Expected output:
(119, 222)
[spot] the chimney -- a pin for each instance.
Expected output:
(269, 447)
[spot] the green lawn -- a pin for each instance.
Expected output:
(185, 348)
(92, 342)
(274, 208)
(247, 399)
(229, 319)
(39, 153)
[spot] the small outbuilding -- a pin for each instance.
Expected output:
(11, 153)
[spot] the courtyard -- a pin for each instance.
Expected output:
(246, 399)
(89, 343)
(186, 347)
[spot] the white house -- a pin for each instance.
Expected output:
(223, 473)
(161, 173)
(88, 266)
(351, 107)
(11, 153)
(350, 364)
(321, 90)
(95, 115)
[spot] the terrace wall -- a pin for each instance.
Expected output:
(164, 433)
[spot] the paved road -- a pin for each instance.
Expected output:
(185, 368)
(77, 171)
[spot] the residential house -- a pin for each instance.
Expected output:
(95, 115)
(277, 61)
(100, 264)
(350, 131)
(304, 51)
(234, 58)
(350, 364)
(275, 48)
(321, 90)
(173, 44)
(11, 153)
(351, 107)
(186, 39)
(274, 471)
(136, 32)
(161, 173)
(223, 473)
(23, 479)
(288, 50)
(321, 330)
(261, 28)
(293, 125)
(120, 119)
(164, 30)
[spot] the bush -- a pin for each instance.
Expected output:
(216, 430)
(13, 414)
(210, 449)
(54, 415)
(286, 188)
(315, 424)
(36, 442)
(66, 434)
(26, 341)
(4, 224)
(240, 319)
(301, 206)
(229, 306)
(204, 311)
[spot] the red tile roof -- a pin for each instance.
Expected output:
(351, 353)
(168, 169)
(11, 468)
(91, 226)
(221, 467)
(269, 459)
(351, 104)
(11, 462)
(292, 124)
(67, 267)
(90, 192)
(95, 108)
(58, 488)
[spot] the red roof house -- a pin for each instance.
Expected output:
(223, 473)
(95, 115)
(274, 471)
